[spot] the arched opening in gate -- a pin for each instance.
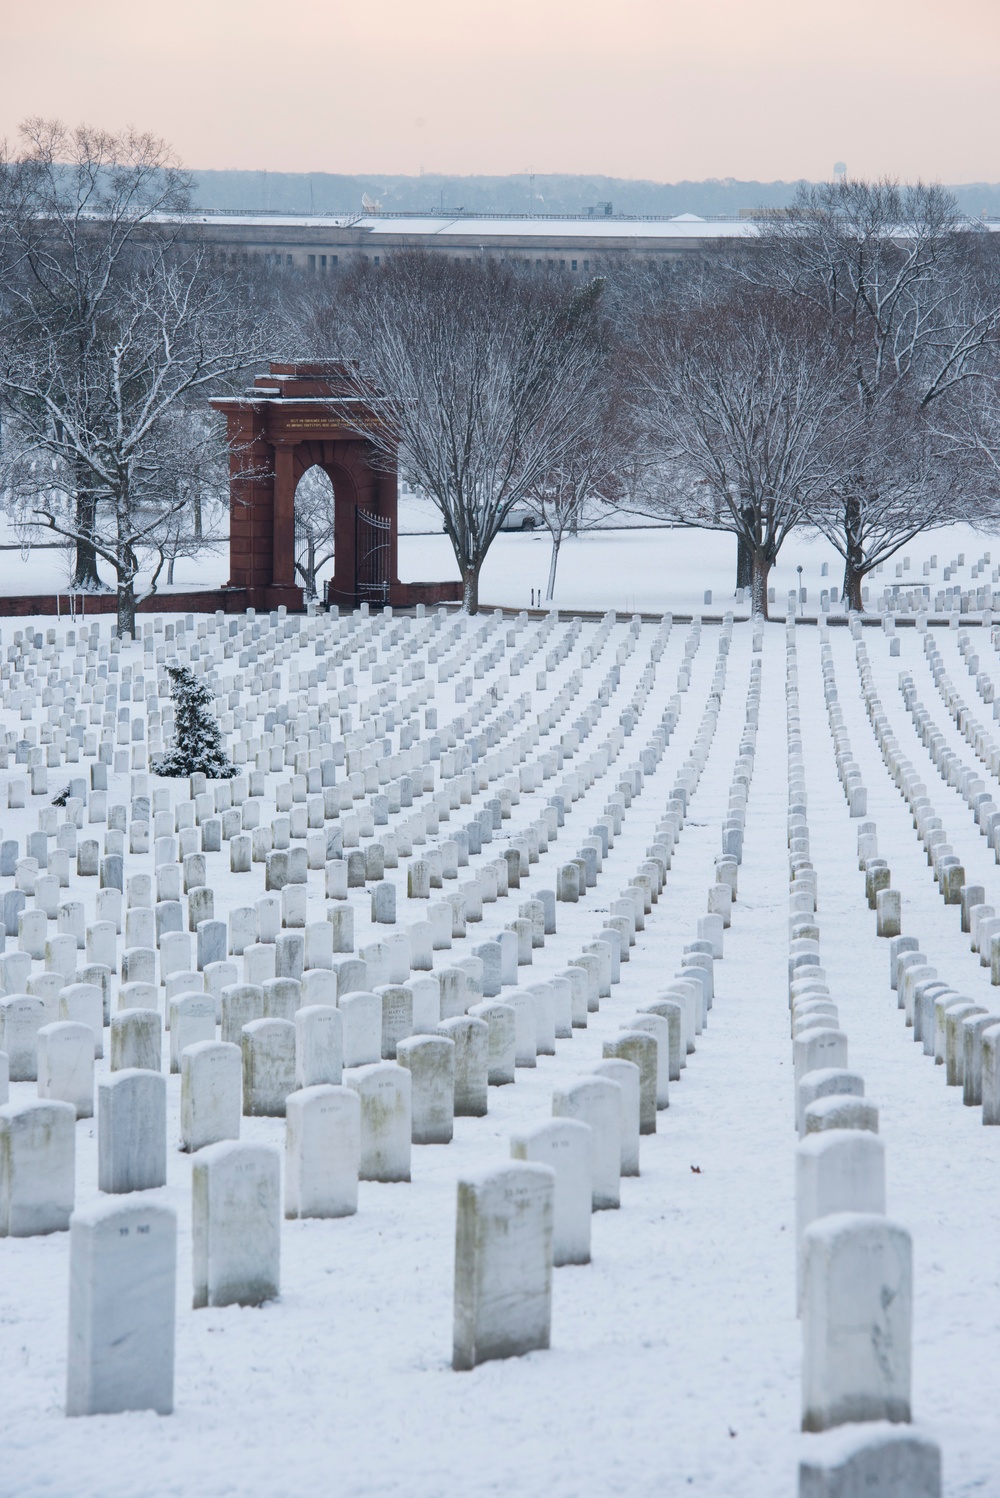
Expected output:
(315, 528)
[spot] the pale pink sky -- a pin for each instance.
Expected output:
(664, 89)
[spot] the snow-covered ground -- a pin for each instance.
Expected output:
(647, 570)
(653, 569)
(675, 1359)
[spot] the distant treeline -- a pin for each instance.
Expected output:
(329, 192)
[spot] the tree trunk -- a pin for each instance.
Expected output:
(126, 607)
(197, 516)
(170, 571)
(86, 577)
(744, 544)
(854, 556)
(761, 571)
(744, 561)
(553, 564)
(853, 579)
(470, 589)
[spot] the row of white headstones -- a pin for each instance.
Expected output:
(854, 1264)
(910, 594)
(295, 1030)
(914, 599)
(961, 1035)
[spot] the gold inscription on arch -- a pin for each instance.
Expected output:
(314, 425)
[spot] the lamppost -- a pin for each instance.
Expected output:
(799, 571)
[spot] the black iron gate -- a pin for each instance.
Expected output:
(371, 557)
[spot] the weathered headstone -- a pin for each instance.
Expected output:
(430, 1060)
(471, 1038)
(426, 991)
(37, 1167)
(827, 1082)
(840, 1112)
(817, 1050)
(837, 1170)
(66, 1066)
(83, 1004)
(241, 1004)
(503, 1264)
(889, 908)
(192, 1020)
(361, 1013)
(136, 1039)
(525, 1022)
(626, 1074)
(322, 1152)
(454, 992)
(282, 998)
(642, 1049)
(21, 1018)
(872, 1460)
(122, 1307)
(658, 1026)
(991, 1075)
(502, 1050)
(397, 1017)
(268, 1067)
(384, 1090)
(319, 1046)
(211, 1093)
(857, 1314)
(236, 1224)
(543, 999)
(566, 1146)
(579, 987)
(319, 986)
(596, 1101)
(383, 898)
(131, 1131)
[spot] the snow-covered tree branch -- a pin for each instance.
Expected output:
(113, 338)
(482, 377)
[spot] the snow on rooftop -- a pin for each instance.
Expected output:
(555, 228)
(488, 226)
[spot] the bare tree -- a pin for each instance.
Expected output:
(600, 471)
(911, 296)
(71, 204)
(113, 339)
(899, 475)
(741, 401)
(640, 293)
(483, 374)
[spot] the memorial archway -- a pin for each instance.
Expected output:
(293, 418)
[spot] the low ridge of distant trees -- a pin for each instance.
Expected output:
(838, 370)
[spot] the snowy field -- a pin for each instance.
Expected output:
(631, 570)
(675, 1363)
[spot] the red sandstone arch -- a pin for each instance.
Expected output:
(293, 418)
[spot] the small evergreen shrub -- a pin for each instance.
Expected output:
(197, 735)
